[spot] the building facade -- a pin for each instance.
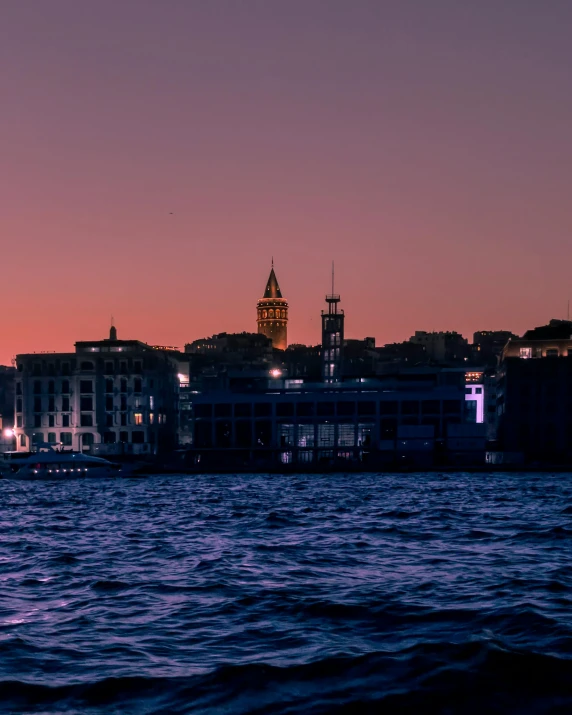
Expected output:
(109, 396)
(272, 313)
(416, 418)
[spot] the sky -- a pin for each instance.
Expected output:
(156, 154)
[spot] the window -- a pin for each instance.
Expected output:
(137, 384)
(138, 367)
(151, 418)
(65, 420)
(124, 437)
(109, 385)
(123, 385)
(262, 409)
(123, 402)
(86, 421)
(204, 411)
(388, 408)
(366, 408)
(478, 390)
(346, 408)
(285, 409)
(65, 404)
(86, 386)
(22, 440)
(123, 419)
(346, 435)
(86, 365)
(325, 408)
(19, 404)
(108, 402)
(241, 409)
(51, 437)
(222, 410)
(138, 418)
(85, 404)
(51, 421)
(37, 438)
(18, 388)
(66, 370)
(109, 419)
(51, 368)
(452, 407)
(286, 435)
(37, 404)
(305, 435)
(65, 387)
(37, 387)
(326, 435)
(66, 439)
(526, 353)
(19, 421)
(409, 407)
(109, 438)
(51, 404)
(430, 407)
(123, 367)
(138, 437)
(51, 387)
(305, 409)
(109, 368)
(152, 402)
(36, 369)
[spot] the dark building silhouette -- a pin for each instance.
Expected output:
(272, 313)
(332, 339)
(534, 394)
(488, 345)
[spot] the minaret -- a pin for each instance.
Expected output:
(272, 312)
(332, 337)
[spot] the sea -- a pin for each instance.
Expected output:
(257, 593)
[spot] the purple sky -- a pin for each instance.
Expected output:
(424, 146)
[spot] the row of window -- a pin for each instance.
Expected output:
(342, 408)
(252, 434)
(271, 313)
(65, 438)
(85, 386)
(87, 420)
(111, 367)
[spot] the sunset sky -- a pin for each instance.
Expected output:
(155, 154)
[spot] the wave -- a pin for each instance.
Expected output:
(470, 677)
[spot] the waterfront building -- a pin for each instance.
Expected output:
(272, 313)
(109, 396)
(415, 417)
(534, 395)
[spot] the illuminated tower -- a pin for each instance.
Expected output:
(332, 337)
(272, 312)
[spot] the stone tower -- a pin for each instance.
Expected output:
(272, 312)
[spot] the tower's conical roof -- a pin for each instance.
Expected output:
(272, 287)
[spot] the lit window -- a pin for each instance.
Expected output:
(138, 417)
(526, 353)
(151, 418)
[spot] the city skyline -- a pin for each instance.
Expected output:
(155, 160)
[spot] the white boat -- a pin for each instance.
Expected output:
(51, 464)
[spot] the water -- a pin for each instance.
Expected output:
(287, 594)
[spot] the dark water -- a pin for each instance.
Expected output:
(287, 594)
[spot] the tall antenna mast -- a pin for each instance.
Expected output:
(332, 278)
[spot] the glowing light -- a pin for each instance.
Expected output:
(9, 433)
(276, 372)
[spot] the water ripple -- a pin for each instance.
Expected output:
(287, 594)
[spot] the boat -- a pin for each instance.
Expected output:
(52, 464)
